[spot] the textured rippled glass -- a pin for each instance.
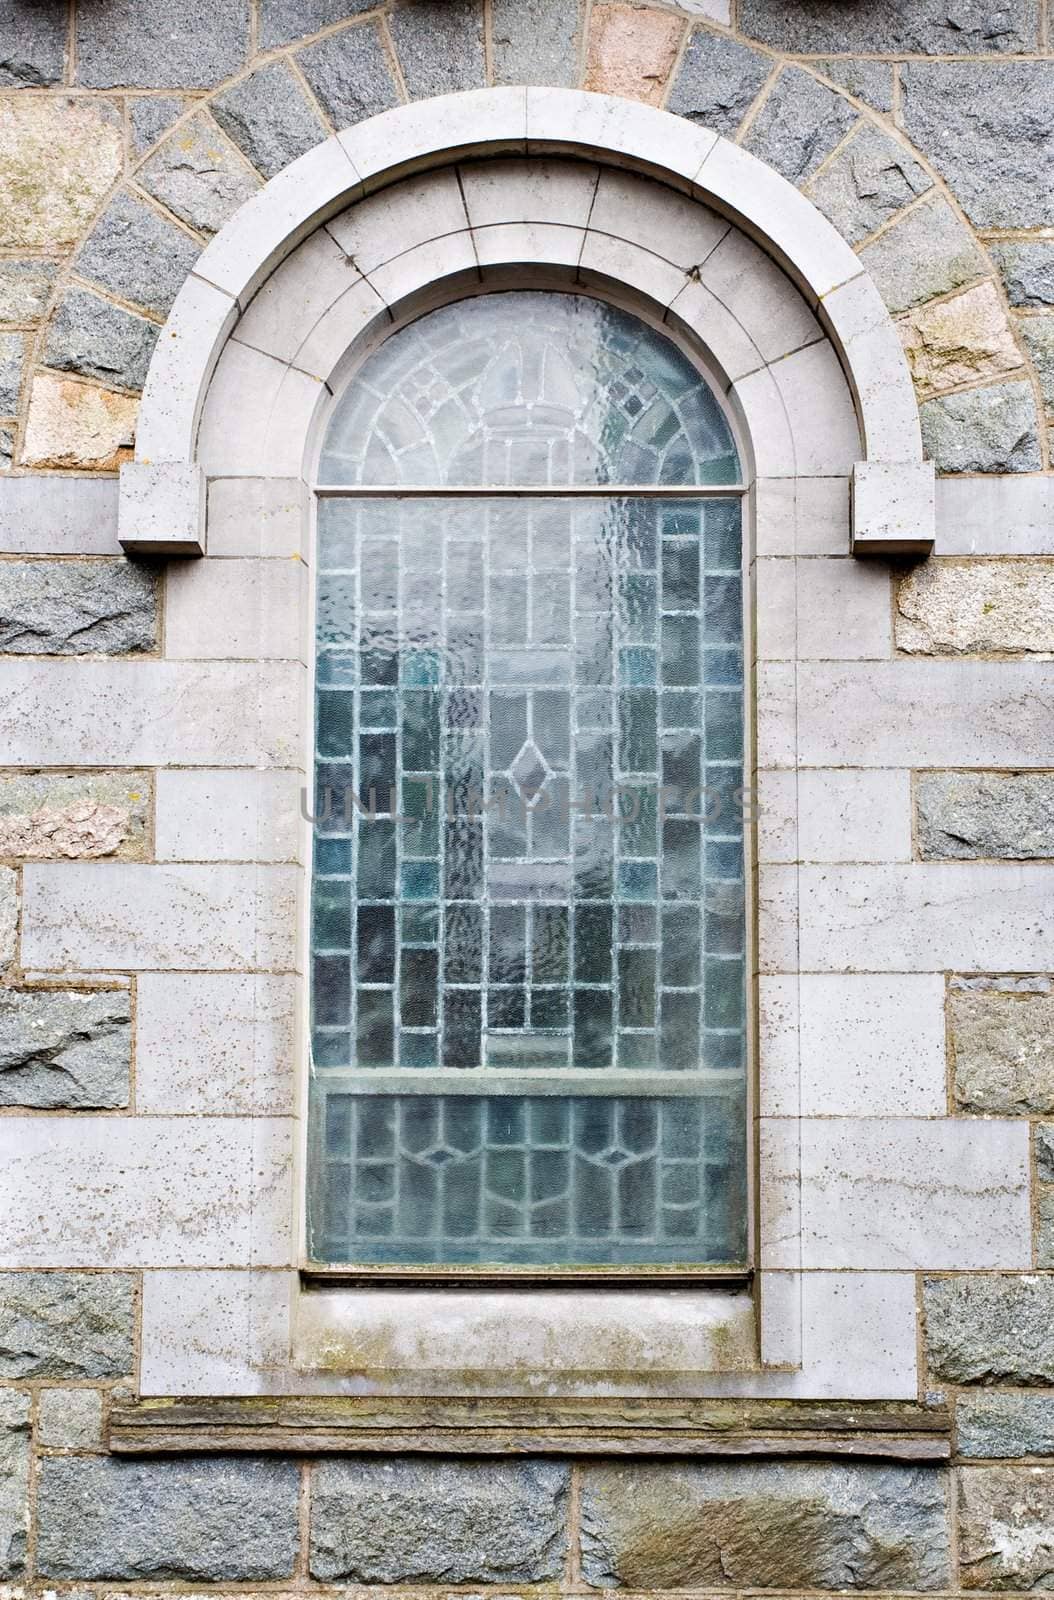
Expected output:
(528, 388)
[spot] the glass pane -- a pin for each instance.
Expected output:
(528, 904)
(528, 388)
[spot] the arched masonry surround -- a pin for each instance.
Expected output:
(162, 493)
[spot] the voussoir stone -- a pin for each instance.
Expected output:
(440, 48)
(283, 21)
(535, 41)
(969, 816)
(350, 74)
(151, 116)
(76, 424)
(77, 607)
(995, 1425)
(1003, 1051)
(870, 179)
(427, 1521)
(954, 608)
(97, 339)
(136, 254)
(799, 124)
(787, 1525)
(198, 176)
(870, 81)
(990, 1329)
(959, 340)
(219, 1519)
(883, 27)
(25, 288)
(160, 44)
(269, 118)
(993, 429)
(1026, 267)
(718, 81)
(630, 51)
(14, 1481)
(66, 1324)
(63, 1050)
(1006, 1527)
(928, 252)
(60, 157)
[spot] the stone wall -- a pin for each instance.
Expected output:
(128, 135)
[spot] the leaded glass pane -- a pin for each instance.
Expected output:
(533, 389)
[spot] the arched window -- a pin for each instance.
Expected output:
(528, 927)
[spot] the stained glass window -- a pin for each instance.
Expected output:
(528, 946)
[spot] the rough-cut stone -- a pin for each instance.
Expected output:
(25, 287)
(1038, 336)
(283, 21)
(210, 1520)
(136, 254)
(983, 430)
(799, 124)
(958, 341)
(967, 816)
(535, 41)
(990, 1329)
(14, 1481)
(1026, 267)
(59, 158)
(49, 815)
(1003, 1051)
(1006, 1527)
(8, 913)
(151, 116)
(1045, 1225)
(926, 253)
(718, 81)
(66, 1324)
(889, 27)
(105, 606)
(1043, 1136)
(269, 118)
(65, 1050)
(33, 41)
(12, 360)
(440, 48)
(93, 337)
(425, 1521)
(994, 1425)
(963, 607)
(988, 128)
(70, 1419)
(785, 1525)
(350, 74)
(198, 176)
(630, 52)
(870, 179)
(160, 44)
(870, 81)
(72, 424)
(7, 446)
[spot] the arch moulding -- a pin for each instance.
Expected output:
(162, 498)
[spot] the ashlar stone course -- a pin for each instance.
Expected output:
(107, 606)
(269, 118)
(983, 430)
(66, 1324)
(14, 1481)
(1003, 1051)
(93, 337)
(138, 255)
(718, 81)
(870, 179)
(968, 816)
(784, 1525)
(198, 176)
(799, 124)
(995, 1328)
(967, 608)
(350, 74)
(1000, 1425)
(1006, 1527)
(63, 1049)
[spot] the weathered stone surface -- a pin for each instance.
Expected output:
(926, 253)
(8, 913)
(440, 49)
(631, 52)
(718, 81)
(59, 157)
(1003, 1051)
(1038, 336)
(995, 1425)
(1045, 1225)
(150, 116)
(66, 1324)
(24, 289)
(887, 27)
(158, 44)
(350, 74)
(198, 176)
(72, 424)
(870, 81)
(60, 1049)
(1043, 1136)
(49, 815)
(269, 118)
(136, 254)
(430, 1521)
(283, 21)
(97, 339)
(966, 816)
(990, 1329)
(963, 607)
(870, 179)
(535, 41)
(7, 446)
(650, 1526)
(14, 1481)
(70, 1419)
(33, 41)
(1026, 267)
(799, 124)
(12, 360)
(988, 128)
(958, 341)
(106, 606)
(1006, 1527)
(214, 1519)
(983, 430)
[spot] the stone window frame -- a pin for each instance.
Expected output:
(227, 406)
